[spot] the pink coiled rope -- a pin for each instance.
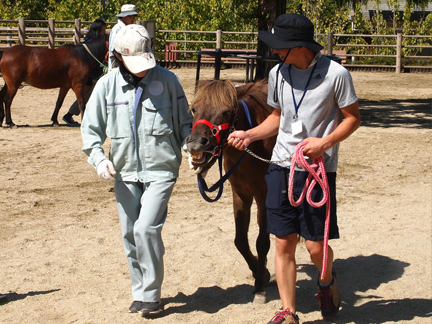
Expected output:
(316, 175)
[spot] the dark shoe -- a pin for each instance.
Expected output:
(3, 299)
(136, 307)
(70, 121)
(329, 299)
(284, 317)
(151, 308)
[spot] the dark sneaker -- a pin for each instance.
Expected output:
(329, 299)
(70, 121)
(3, 299)
(284, 317)
(151, 308)
(136, 306)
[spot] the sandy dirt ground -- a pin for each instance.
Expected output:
(62, 260)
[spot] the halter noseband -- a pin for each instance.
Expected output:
(216, 129)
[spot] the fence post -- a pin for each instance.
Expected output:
(399, 53)
(77, 32)
(330, 44)
(8, 37)
(51, 33)
(21, 30)
(218, 39)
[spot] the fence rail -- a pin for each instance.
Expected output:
(398, 53)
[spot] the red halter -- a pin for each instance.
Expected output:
(215, 129)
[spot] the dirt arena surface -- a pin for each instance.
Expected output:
(62, 260)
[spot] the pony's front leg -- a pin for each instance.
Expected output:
(62, 95)
(262, 247)
(242, 206)
(82, 106)
(82, 94)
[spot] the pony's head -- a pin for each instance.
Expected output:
(214, 109)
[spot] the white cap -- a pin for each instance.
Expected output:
(128, 10)
(133, 43)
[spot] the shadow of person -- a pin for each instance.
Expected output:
(14, 296)
(357, 278)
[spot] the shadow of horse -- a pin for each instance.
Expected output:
(212, 299)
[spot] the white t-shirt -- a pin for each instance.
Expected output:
(330, 88)
(120, 24)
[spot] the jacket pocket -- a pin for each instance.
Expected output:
(158, 116)
(118, 122)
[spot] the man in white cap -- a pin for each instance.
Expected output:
(143, 109)
(126, 17)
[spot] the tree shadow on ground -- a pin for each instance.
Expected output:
(356, 275)
(410, 113)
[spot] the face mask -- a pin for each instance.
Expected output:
(128, 76)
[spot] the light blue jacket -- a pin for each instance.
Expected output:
(146, 144)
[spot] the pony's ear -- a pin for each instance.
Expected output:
(243, 89)
(202, 83)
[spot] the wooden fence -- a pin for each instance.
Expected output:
(51, 33)
(404, 53)
(355, 55)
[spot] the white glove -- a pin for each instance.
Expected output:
(105, 170)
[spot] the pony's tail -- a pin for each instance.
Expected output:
(1, 55)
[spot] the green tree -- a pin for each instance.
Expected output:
(268, 11)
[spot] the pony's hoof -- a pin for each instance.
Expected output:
(55, 124)
(13, 126)
(260, 298)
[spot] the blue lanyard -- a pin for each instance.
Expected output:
(296, 107)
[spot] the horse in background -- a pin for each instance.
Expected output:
(217, 110)
(65, 67)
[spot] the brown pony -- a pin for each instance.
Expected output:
(66, 67)
(218, 103)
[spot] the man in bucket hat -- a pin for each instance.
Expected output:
(315, 102)
(126, 17)
(143, 109)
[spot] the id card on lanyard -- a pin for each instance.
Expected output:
(296, 124)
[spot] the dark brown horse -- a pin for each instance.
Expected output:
(66, 67)
(217, 110)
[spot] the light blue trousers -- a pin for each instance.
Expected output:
(142, 209)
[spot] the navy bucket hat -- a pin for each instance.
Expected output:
(289, 31)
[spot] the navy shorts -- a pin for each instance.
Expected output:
(305, 220)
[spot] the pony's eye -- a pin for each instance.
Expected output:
(192, 109)
(226, 113)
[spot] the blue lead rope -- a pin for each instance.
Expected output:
(202, 185)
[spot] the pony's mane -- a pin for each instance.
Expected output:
(97, 47)
(257, 91)
(225, 94)
(216, 93)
